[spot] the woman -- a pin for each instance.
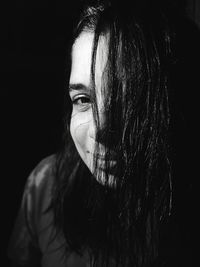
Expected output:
(104, 199)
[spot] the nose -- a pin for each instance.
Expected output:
(99, 134)
(106, 133)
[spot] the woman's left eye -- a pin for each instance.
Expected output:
(81, 102)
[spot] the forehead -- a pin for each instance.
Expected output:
(82, 59)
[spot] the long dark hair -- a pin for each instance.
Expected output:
(119, 224)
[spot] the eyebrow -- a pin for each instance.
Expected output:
(78, 87)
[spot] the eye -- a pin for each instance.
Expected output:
(81, 102)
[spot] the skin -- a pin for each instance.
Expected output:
(82, 126)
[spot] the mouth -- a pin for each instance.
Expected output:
(102, 164)
(101, 156)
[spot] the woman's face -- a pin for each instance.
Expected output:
(82, 126)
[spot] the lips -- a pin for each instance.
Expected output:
(99, 156)
(102, 164)
(109, 166)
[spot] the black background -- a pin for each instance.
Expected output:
(34, 36)
(32, 59)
